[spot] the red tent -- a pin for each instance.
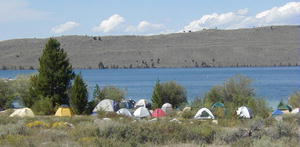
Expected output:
(158, 113)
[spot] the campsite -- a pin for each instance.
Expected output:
(159, 73)
(111, 125)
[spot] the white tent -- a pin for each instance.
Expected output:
(297, 110)
(167, 107)
(141, 112)
(244, 112)
(23, 112)
(124, 112)
(105, 105)
(204, 113)
(141, 103)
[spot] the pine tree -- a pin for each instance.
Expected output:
(79, 95)
(55, 74)
(157, 99)
(97, 93)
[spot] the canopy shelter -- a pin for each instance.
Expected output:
(141, 112)
(64, 110)
(125, 112)
(204, 113)
(159, 113)
(244, 112)
(22, 112)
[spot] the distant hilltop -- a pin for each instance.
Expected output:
(264, 46)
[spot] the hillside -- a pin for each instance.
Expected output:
(265, 46)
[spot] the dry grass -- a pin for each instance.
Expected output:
(93, 131)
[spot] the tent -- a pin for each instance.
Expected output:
(141, 103)
(218, 105)
(277, 112)
(124, 112)
(129, 104)
(22, 112)
(167, 107)
(158, 113)
(244, 112)
(297, 110)
(105, 105)
(64, 110)
(285, 108)
(204, 113)
(141, 112)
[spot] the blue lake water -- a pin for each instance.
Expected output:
(270, 83)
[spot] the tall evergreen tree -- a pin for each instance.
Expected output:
(79, 95)
(157, 99)
(55, 74)
(97, 93)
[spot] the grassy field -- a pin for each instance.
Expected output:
(122, 131)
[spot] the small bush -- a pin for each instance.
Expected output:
(188, 114)
(294, 100)
(37, 124)
(43, 107)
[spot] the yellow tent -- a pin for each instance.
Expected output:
(64, 111)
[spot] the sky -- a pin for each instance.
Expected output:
(48, 18)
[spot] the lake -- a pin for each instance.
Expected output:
(270, 83)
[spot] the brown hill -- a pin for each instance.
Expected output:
(265, 46)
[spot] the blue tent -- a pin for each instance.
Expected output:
(277, 112)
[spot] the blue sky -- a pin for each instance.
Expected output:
(46, 18)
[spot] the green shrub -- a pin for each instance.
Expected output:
(294, 100)
(188, 114)
(43, 107)
(284, 129)
(169, 92)
(108, 92)
(234, 93)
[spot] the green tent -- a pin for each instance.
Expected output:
(285, 107)
(218, 105)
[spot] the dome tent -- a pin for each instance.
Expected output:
(22, 112)
(167, 107)
(204, 113)
(124, 112)
(158, 113)
(218, 105)
(141, 112)
(244, 112)
(105, 105)
(64, 110)
(285, 108)
(141, 103)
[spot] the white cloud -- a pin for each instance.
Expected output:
(64, 27)
(18, 10)
(109, 24)
(286, 14)
(144, 26)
